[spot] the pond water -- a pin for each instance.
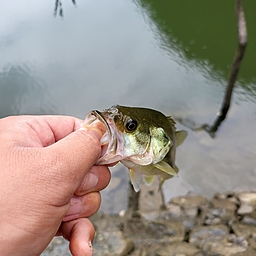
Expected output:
(173, 56)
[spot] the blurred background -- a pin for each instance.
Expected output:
(173, 56)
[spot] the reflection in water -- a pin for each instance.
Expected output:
(204, 33)
(242, 41)
(166, 26)
(22, 92)
(58, 9)
(166, 55)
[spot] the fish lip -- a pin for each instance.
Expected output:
(101, 117)
(112, 144)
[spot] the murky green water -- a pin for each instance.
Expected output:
(170, 55)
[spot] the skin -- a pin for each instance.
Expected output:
(48, 183)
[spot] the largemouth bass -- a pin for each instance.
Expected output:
(142, 139)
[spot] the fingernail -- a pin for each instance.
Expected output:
(90, 245)
(90, 182)
(75, 208)
(96, 132)
(97, 129)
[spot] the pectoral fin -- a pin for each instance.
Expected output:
(163, 177)
(136, 179)
(180, 137)
(163, 166)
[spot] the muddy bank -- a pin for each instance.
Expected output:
(186, 225)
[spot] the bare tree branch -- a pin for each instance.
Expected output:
(242, 41)
(133, 199)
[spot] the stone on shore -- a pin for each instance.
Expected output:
(187, 225)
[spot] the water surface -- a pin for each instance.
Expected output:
(174, 56)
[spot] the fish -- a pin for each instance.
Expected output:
(142, 139)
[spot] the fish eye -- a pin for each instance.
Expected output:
(131, 125)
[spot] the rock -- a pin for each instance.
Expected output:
(248, 198)
(252, 241)
(112, 243)
(174, 210)
(213, 216)
(248, 220)
(175, 213)
(190, 205)
(185, 209)
(247, 205)
(244, 230)
(109, 239)
(216, 240)
(174, 249)
(225, 245)
(58, 247)
(245, 209)
(229, 195)
(190, 202)
(220, 211)
(248, 252)
(202, 233)
(188, 225)
(224, 203)
(150, 232)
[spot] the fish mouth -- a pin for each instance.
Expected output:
(109, 140)
(101, 118)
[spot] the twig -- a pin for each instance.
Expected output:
(242, 41)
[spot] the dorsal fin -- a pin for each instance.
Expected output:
(171, 121)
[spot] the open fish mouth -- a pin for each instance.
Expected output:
(101, 118)
(109, 140)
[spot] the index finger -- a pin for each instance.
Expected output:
(51, 129)
(38, 131)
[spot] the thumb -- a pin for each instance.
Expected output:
(73, 156)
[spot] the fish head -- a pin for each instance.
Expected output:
(135, 134)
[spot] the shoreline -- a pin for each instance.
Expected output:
(187, 225)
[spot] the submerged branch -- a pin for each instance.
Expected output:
(242, 40)
(133, 199)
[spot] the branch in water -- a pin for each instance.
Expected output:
(133, 200)
(242, 40)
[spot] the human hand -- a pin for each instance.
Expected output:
(48, 183)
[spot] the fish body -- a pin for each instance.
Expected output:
(142, 139)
